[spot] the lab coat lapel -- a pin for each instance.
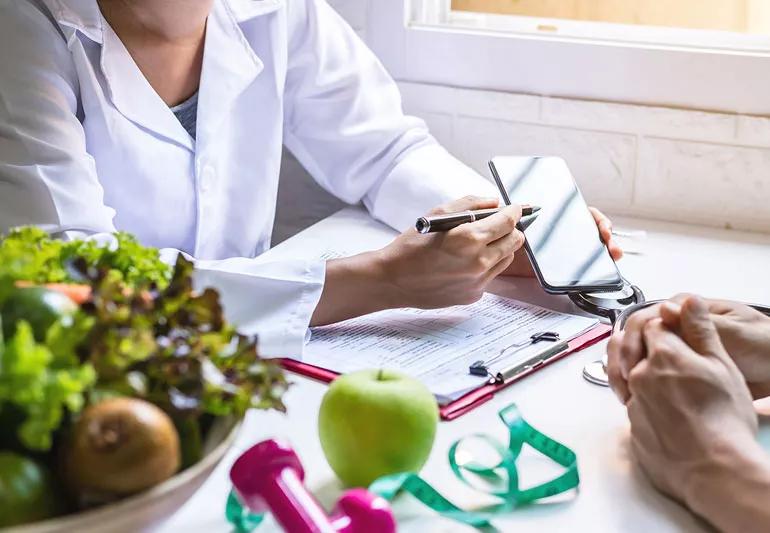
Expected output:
(132, 94)
(126, 87)
(78, 15)
(230, 65)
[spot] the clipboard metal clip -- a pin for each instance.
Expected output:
(481, 368)
(533, 363)
(550, 336)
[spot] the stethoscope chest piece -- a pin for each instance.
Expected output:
(608, 305)
(595, 372)
(611, 306)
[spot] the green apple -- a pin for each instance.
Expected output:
(376, 422)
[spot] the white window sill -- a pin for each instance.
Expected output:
(685, 74)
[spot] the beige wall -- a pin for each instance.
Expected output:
(733, 15)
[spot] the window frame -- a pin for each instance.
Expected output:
(421, 41)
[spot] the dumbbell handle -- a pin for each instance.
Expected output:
(292, 505)
(268, 477)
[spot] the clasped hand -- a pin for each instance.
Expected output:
(686, 370)
(744, 332)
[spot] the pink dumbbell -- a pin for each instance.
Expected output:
(268, 477)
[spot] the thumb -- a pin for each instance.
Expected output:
(697, 328)
(671, 313)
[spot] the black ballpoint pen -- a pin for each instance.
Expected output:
(452, 220)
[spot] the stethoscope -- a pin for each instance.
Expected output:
(618, 307)
(614, 306)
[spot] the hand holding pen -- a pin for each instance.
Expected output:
(456, 268)
(446, 222)
(413, 270)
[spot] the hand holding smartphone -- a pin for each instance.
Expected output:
(562, 240)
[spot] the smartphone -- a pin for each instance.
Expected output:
(562, 240)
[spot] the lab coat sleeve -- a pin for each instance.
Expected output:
(344, 122)
(48, 178)
(46, 175)
(273, 299)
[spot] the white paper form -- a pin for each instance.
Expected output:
(438, 346)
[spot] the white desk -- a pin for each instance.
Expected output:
(614, 495)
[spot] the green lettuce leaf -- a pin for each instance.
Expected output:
(144, 333)
(29, 254)
(42, 392)
(172, 346)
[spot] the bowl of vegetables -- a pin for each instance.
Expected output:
(121, 387)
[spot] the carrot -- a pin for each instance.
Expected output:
(76, 292)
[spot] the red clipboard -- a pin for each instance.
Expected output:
(477, 396)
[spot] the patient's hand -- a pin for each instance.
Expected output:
(523, 268)
(744, 332)
(693, 425)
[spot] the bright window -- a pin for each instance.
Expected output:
(735, 25)
(694, 54)
(741, 16)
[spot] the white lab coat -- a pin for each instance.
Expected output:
(87, 145)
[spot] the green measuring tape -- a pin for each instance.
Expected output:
(241, 518)
(502, 473)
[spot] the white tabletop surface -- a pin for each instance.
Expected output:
(614, 495)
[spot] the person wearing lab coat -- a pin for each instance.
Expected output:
(167, 120)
